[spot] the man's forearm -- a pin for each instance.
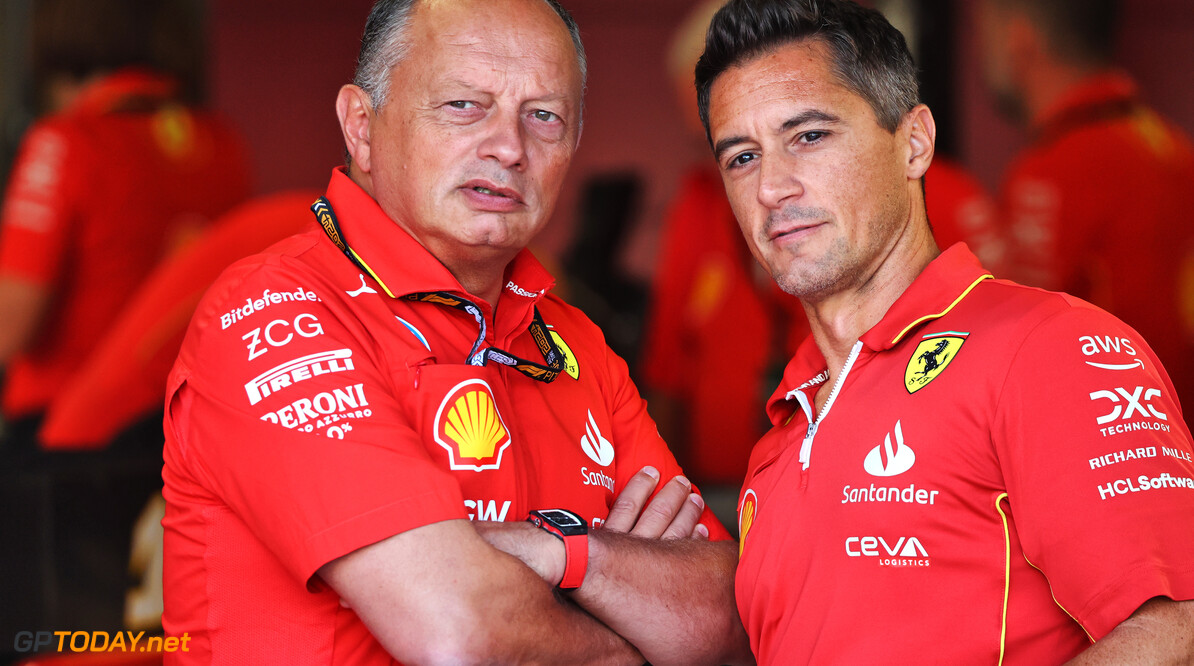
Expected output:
(439, 594)
(1161, 631)
(673, 599)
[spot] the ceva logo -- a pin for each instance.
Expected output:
(470, 428)
(889, 459)
(599, 449)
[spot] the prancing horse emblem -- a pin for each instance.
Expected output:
(931, 357)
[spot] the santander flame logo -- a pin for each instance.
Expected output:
(597, 447)
(890, 458)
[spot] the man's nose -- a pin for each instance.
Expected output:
(505, 141)
(778, 180)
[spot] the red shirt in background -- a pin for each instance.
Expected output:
(125, 375)
(98, 195)
(1101, 206)
(311, 414)
(961, 211)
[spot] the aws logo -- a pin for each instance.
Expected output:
(931, 357)
(746, 517)
(470, 428)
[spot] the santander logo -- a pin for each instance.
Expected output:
(890, 459)
(597, 447)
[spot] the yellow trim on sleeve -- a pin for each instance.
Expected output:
(1058, 603)
(925, 318)
(1007, 568)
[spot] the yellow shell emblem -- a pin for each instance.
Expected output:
(931, 357)
(746, 518)
(570, 365)
(470, 428)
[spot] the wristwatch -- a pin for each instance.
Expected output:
(574, 532)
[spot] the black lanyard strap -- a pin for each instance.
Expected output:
(479, 356)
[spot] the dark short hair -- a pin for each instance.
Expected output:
(1079, 32)
(384, 44)
(868, 54)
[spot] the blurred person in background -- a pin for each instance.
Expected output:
(120, 172)
(1101, 204)
(719, 330)
(122, 168)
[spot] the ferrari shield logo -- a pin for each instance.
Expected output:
(932, 356)
(570, 365)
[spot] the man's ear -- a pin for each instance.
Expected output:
(922, 135)
(355, 112)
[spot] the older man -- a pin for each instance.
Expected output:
(347, 401)
(961, 469)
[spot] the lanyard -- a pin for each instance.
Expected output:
(552, 356)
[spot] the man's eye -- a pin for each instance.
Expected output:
(741, 160)
(461, 104)
(812, 137)
(545, 116)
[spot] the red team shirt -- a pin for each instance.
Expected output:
(309, 414)
(721, 330)
(990, 448)
(97, 196)
(1101, 206)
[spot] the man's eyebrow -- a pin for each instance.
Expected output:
(812, 115)
(725, 144)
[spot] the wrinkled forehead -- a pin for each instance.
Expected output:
(518, 36)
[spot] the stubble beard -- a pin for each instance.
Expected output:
(810, 283)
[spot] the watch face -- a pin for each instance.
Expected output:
(567, 522)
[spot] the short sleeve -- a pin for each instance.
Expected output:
(1097, 461)
(38, 205)
(281, 409)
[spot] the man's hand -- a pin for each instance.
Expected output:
(672, 514)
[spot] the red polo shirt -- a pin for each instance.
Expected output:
(309, 414)
(1101, 206)
(720, 330)
(98, 195)
(1001, 474)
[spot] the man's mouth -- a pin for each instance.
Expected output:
(490, 189)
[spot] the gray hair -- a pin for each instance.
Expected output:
(385, 44)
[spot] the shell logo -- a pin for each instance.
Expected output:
(746, 517)
(470, 428)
